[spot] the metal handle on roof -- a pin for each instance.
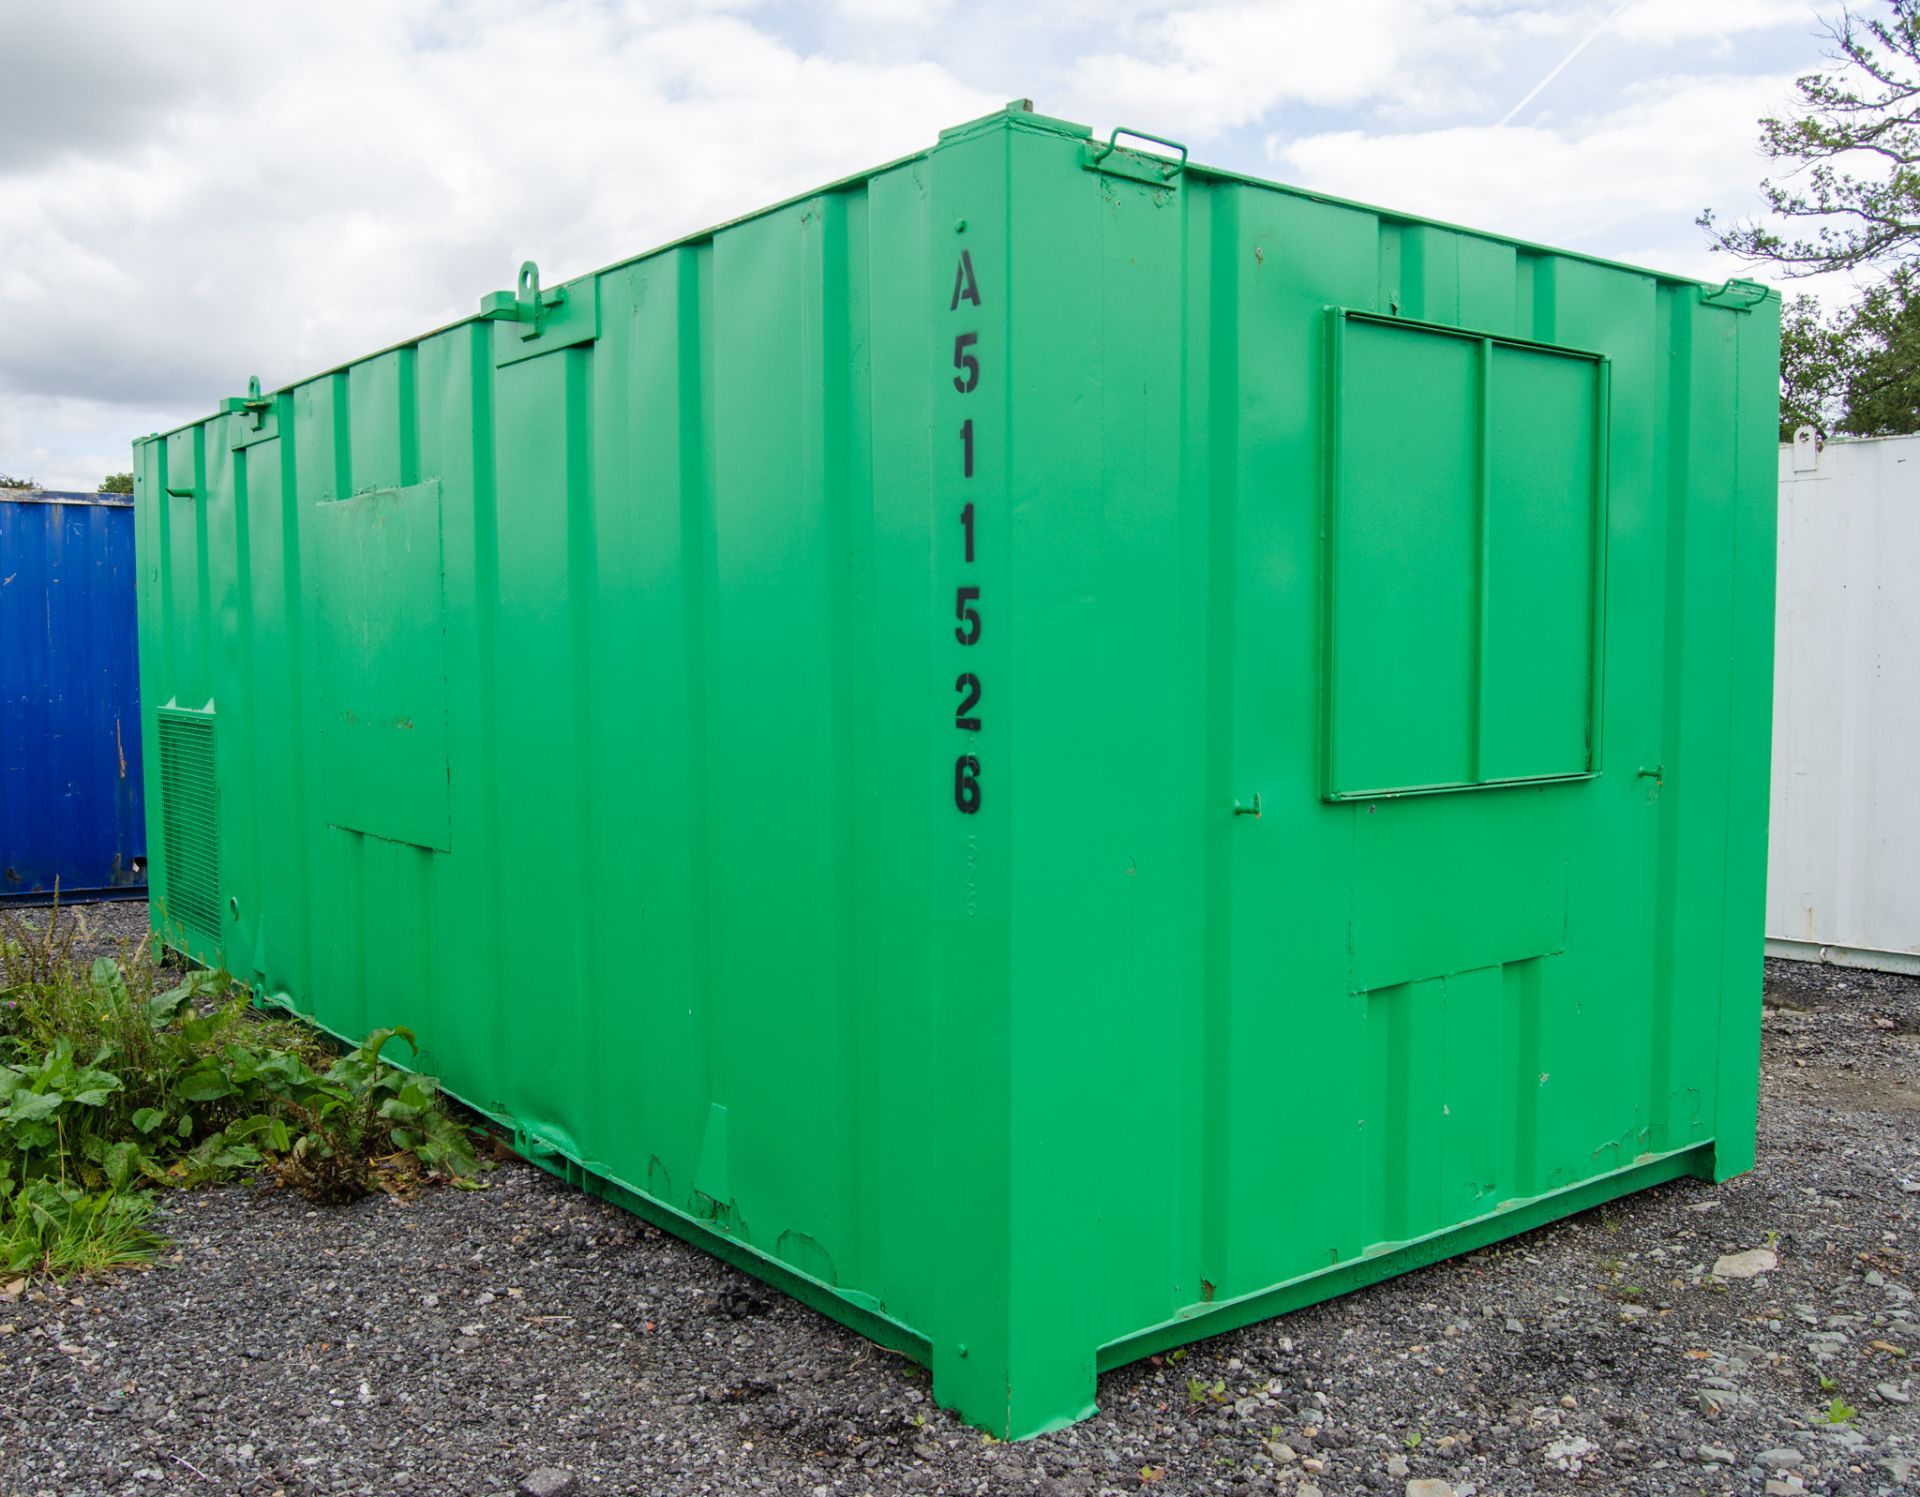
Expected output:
(1139, 166)
(1113, 144)
(1740, 294)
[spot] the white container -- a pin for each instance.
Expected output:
(1843, 871)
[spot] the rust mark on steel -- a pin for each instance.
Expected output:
(120, 748)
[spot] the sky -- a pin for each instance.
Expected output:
(194, 193)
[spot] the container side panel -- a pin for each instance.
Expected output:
(616, 709)
(1695, 741)
(151, 585)
(402, 876)
(117, 644)
(71, 789)
(323, 473)
(662, 616)
(660, 673)
(275, 690)
(467, 913)
(1752, 564)
(782, 1091)
(1600, 1039)
(28, 691)
(229, 646)
(904, 714)
(1279, 859)
(1846, 786)
(192, 616)
(541, 689)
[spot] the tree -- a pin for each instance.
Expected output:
(1851, 202)
(1814, 365)
(117, 483)
(1856, 135)
(1854, 372)
(9, 482)
(1883, 373)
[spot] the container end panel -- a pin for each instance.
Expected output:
(1390, 670)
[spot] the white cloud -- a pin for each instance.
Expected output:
(316, 182)
(189, 195)
(1665, 22)
(913, 13)
(1665, 151)
(71, 443)
(1217, 67)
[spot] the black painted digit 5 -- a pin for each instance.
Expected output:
(969, 687)
(968, 633)
(966, 784)
(965, 362)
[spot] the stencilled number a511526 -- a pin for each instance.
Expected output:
(971, 365)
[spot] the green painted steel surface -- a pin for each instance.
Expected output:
(1053, 749)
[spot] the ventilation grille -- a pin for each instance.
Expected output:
(190, 821)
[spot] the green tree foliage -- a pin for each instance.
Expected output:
(1849, 200)
(117, 483)
(1813, 368)
(1883, 359)
(1858, 370)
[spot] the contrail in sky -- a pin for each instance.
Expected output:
(1560, 66)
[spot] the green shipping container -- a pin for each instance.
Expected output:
(1054, 750)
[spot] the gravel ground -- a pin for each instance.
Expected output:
(465, 1342)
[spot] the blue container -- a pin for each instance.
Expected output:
(70, 799)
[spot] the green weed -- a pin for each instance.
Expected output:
(113, 1087)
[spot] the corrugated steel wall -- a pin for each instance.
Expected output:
(1843, 867)
(71, 789)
